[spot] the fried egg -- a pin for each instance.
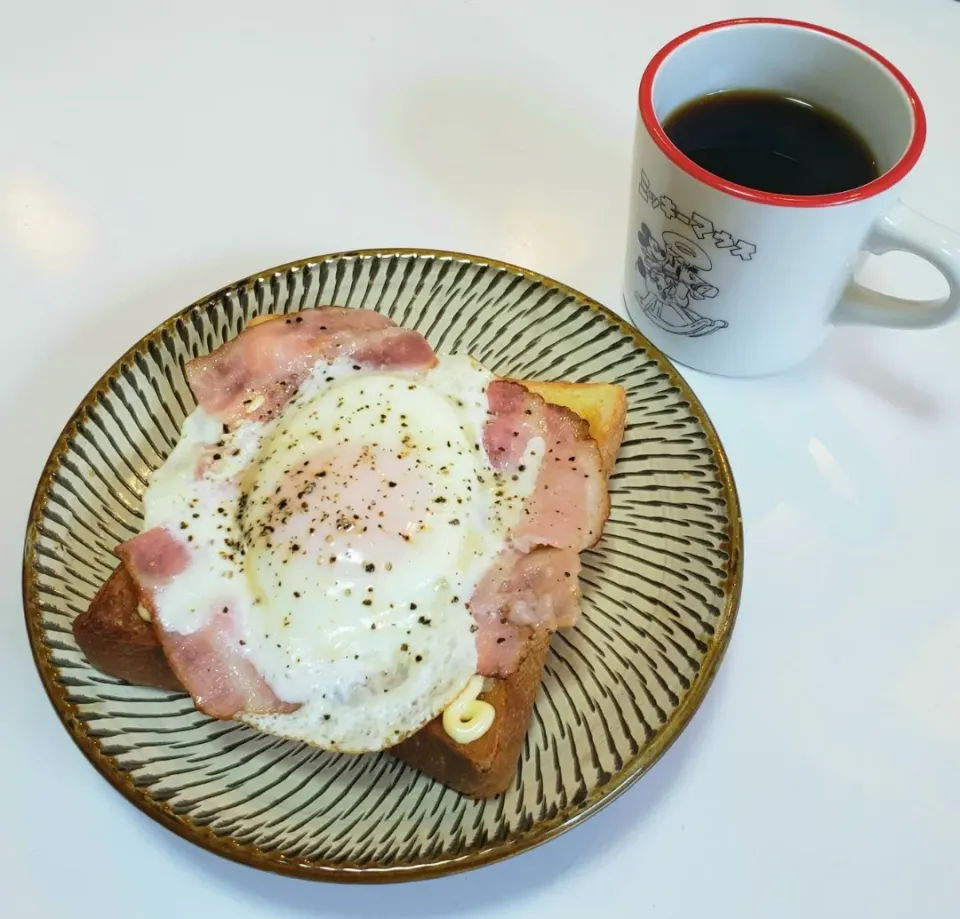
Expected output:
(346, 537)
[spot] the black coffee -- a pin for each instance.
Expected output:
(772, 143)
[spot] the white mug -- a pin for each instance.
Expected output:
(735, 281)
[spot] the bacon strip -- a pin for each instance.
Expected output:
(154, 559)
(533, 585)
(522, 594)
(210, 663)
(212, 666)
(516, 416)
(570, 503)
(254, 375)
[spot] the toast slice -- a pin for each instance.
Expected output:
(118, 641)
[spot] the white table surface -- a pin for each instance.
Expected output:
(150, 153)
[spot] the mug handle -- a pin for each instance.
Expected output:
(905, 230)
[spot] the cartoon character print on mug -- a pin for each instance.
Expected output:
(671, 287)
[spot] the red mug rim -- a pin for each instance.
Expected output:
(884, 182)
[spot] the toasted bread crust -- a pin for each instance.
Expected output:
(116, 640)
(119, 642)
(487, 766)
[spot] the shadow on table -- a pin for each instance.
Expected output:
(849, 357)
(511, 881)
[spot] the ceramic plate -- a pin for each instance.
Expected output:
(660, 590)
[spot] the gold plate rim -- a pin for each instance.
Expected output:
(539, 833)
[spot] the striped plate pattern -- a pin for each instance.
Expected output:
(660, 590)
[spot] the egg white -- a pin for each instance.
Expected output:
(347, 536)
